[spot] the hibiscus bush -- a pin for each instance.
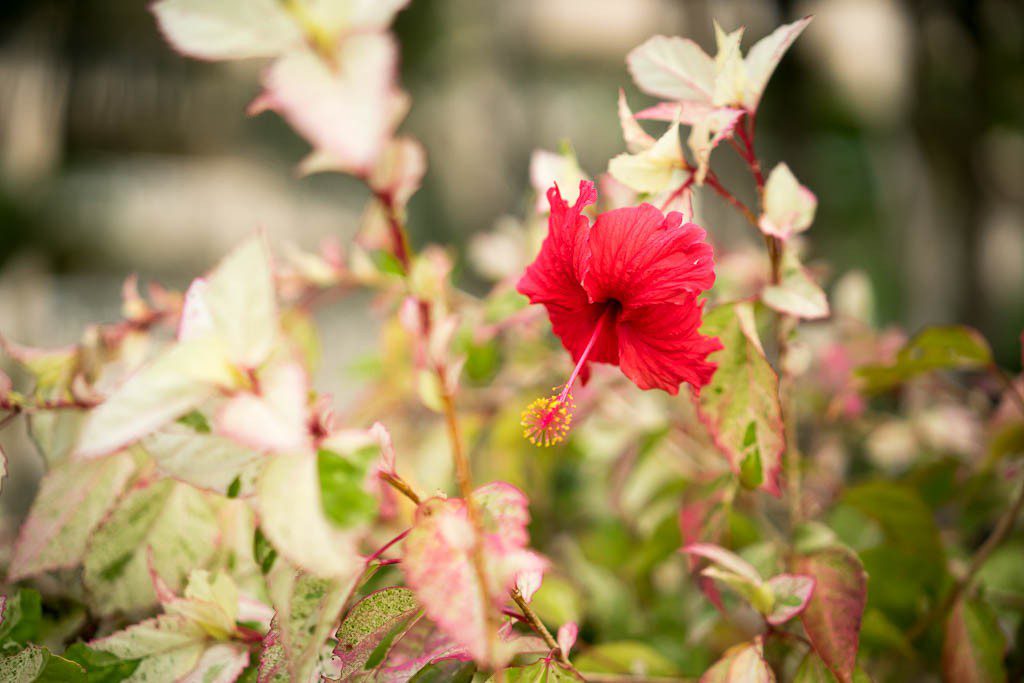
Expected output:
(735, 477)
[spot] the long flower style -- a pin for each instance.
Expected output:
(623, 291)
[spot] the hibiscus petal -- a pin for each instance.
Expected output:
(660, 346)
(554, 278)
(640, 257)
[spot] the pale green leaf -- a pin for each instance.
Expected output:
(73, 499)
(789, 207)
(765, 55)
(167, 647)
(172, 524)
(653, 169)
(743, 663)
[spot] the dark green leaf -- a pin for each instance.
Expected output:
(445, 671)
(954, 347)
(100, 667)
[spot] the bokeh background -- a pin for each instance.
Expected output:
(119, 156)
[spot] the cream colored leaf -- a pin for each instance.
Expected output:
(673, 68)
(292, 517)
(764, 56)
(788, 206)
(636, 138)
(172, 384)
(227, 29)
(653, 169)
(239, 295)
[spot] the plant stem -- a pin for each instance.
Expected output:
(1003, 528)
(401, 486)
(715, 184)
(399, 235)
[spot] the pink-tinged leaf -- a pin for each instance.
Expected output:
(726, 559)
(708, 133)
(741, 404)
(528, 583)
(227, 29)
(221, 663)
(743, 663)
(567, 634)
(3, 468)
(702, 519)
(399, 170)
(345, 110)
(687, 113)
(368, 623)
(418, 646)
(277, 419)
(440, 565)
(171, 385)
(764, 56)
(5, 384)
(196, 321)
(73, 499)
(792, 593)
(673, 68)
(833, 615)
(974, 646)
(636, 138)
(387, 447)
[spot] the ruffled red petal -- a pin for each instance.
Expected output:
(640, 257)
(554, 279)
(660, 346)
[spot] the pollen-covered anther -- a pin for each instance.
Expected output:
(546, 421)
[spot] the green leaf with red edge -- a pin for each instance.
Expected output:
(974, 645)
(370, 622)
(741, 404)
(813, 670)
(832, 617)
(744, 663)
(953, 347)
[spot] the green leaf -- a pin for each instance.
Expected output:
(741, 404)
(974, 645)
(196, 420)
(813, 670)
(371, 623)
(625, 657)
(953, 347)
(100, 667)
(445, 671)
(912, 546)
(541, 671)
(343, 493)
(36, 664)
(263, 552)
(22, 613)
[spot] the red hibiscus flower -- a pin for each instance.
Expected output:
(622, 291)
